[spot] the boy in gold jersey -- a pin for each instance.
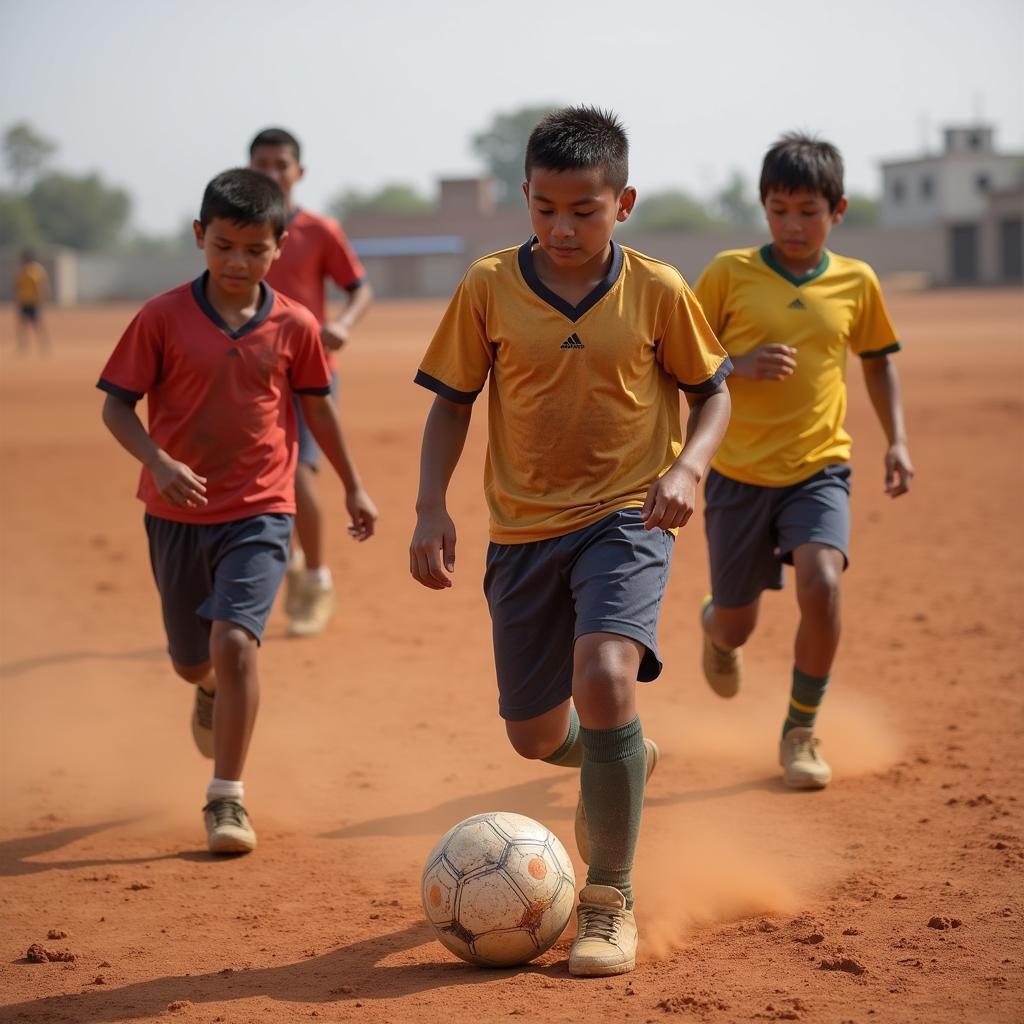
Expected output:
(584, 346)
(778, 490)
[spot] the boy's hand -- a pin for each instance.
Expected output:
(363, 512)
(670, 499)
(177, 484)
(769, 362)
(433, 538)
(899, 470)
(333, 335)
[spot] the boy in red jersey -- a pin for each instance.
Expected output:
(317, 249)
(219, 360)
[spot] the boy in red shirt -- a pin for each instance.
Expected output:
(220, 359)
(317, 249)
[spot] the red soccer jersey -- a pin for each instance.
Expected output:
(316, 249)
(219, 400)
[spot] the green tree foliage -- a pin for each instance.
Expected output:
(502, 147)
(395, 199)
(672, 210)
(18, 226)
(862, 210)
(25, 153)
(736, 203)
(79, 211)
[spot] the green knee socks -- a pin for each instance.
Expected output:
(804, 700)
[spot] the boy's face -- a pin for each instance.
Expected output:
(574, 213)
(238, 256)
(800, 223)
(279, 163)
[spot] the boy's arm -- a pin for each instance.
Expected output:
(883, 384)
(444, 437)
(335, 332)
(322, 420)
(671, 498)
(177, 484)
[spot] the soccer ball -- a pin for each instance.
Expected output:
(498, 889)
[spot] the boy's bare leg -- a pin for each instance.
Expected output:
(205, 680)
(233, 651)
(819, 570)
(538, 738)
(730, 628)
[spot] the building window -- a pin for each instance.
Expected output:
(982, 182)
(898, 191)
(927, 187)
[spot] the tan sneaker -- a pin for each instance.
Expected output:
(316, 605)
(228, 829)
(605, 941)
(582, 832)
(293, 583)
(202, 721)
(722, 669)
(802, 766)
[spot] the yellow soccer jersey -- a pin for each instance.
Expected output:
(782, 432)
(583, 402)
(29, 284)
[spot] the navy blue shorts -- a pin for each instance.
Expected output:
(218, 571)
(28, 312)
(309, 450)
(608, 577)
(752, 531)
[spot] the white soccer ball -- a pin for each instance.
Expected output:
(498, 889)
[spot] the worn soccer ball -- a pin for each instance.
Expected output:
(498, 889)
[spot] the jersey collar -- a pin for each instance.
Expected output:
(556, 301)
(266, 304)
(292, 214)
(773, 264)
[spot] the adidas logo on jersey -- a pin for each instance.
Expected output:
(573, 341)
(796, 304)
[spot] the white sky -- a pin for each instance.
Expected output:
(159, 95)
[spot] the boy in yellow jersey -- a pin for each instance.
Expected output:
(586, 345)
(788, 314)
(31, 290)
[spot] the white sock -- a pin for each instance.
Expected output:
(320, 576)
(218, 789)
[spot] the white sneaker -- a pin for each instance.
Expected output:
(293, 580)
(606, 936)
(722, 669)
(202, 721)
(228, 829)
(315, 609)
(802, 766)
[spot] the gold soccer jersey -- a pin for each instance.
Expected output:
(583, 402)
(782, 432)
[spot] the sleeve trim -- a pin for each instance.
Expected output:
(723, 371)
(312, 391)
(879, 352)
(131, 397)
(442, 389)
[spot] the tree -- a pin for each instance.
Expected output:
(395, 199)
(862, 210)
(81, 212)
(25, 153)
(735, 205)
(672, 210)
(18, 227)
(503, 145)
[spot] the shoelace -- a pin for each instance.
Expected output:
(204, 709)
(225, 812)
(806, 747)
(598, 923)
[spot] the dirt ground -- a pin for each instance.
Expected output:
(893, 896)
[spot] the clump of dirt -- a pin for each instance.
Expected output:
(811, 940)
(56, 933)
(685, 1004)
(37, 954)
(843, 963)
(181, 1004)
(942, 923)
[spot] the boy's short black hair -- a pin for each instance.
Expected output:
(276, 137)
(575, 138)
(244, 197)
(799, 162)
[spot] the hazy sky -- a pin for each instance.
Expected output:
(160, 95)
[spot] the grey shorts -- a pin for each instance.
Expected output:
(752, 531)
(309, 450)
(608, 577)
(217, 571)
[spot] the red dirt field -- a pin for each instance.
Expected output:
(894, 896)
